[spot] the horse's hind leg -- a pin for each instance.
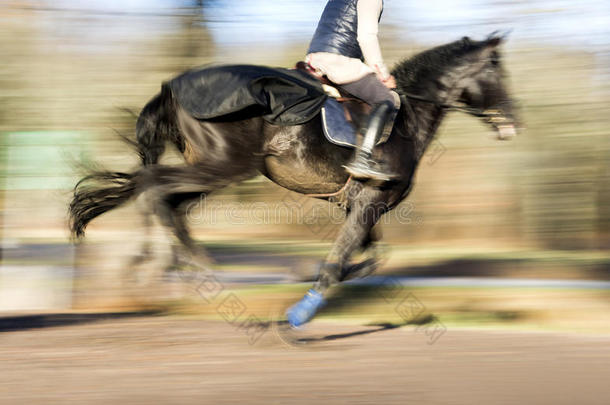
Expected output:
(149, 250)
(145, 253)
(172, 211)
(173, 187)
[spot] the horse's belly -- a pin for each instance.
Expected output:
(297, 176)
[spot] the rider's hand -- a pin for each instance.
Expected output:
(390, 82)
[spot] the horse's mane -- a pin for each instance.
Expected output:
(417, 73)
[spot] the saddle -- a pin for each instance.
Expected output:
(342, 114)
(280, 96)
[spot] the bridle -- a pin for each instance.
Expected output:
(491, 115)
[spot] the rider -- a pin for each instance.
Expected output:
(345, 48)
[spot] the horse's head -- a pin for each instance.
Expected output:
(465, 75)
(483, 89)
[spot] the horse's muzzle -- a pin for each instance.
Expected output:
(506, 131)
(503, 123)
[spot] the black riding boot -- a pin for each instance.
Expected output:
(363, 166)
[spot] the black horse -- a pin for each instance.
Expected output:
(464, 74)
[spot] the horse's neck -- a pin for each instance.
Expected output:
(427, 116)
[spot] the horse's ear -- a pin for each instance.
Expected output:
(496, 38)
(494, 41)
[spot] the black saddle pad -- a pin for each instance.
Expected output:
(337, 129)
(282, 96)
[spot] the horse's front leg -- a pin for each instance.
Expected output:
(365, 211)
(373, 254)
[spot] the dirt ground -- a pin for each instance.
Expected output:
(167, 360)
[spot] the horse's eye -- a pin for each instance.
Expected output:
(492, 67)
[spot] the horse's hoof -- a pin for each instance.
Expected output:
(289, 335)
(304, 310)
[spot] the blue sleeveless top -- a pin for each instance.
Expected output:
(337, 30)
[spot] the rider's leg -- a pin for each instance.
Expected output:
(385, 104)
(364, 166)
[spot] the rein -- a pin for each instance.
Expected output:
(477, 112)
(491, 115)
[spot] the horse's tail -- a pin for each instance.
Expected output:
(156, 125)
(102, 190)
(98, 193)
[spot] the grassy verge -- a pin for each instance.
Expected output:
(575, 310)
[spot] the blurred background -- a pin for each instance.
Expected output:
(532, 214)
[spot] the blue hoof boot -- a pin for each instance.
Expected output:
(304, 310)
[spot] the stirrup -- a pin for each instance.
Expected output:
(364, 169)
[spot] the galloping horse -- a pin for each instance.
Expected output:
(466, 75)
